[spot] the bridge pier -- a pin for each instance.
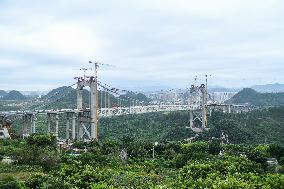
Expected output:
(74, 126)
(190, 119)
(29, 124)
(79, 96)
(67, 128)
(94, 107)
(70, 121)
(53, 123)
(25, 126)
(56, 125)
(33, 123)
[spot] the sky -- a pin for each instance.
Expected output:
(148, 43)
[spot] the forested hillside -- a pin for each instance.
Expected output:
(130, 163)
(252, 97)
(65, 98)
(256, 127)
(123, 157)
(168, 126)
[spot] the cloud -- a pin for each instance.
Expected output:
(166, 42)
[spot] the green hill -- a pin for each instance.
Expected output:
(140, 97)
(65, 97)
(254, 127)
(14, 95)
(159, 126)
(252, 97)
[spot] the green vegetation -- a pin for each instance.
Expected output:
(255, 127)
(175, 165)
(123, 157)
(252, 97)
(147, 127)
(65, 97)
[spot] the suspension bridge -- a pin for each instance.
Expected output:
(82, 122)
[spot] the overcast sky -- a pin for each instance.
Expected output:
(43, 44)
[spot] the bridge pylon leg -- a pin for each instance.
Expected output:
(48, 123)
(28, 124)
(25, 128)
(94, 108)
(74, 126)
(56, 125)
(67, 127)
(33, 127)
(53, 123)
(190, 118)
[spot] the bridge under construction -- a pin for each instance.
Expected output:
(82, 122)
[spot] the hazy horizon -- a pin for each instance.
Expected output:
(148, 89)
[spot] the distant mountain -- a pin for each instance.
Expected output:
(139, 97)
(66, 97)
(250, 96)
(14, 95)
(63, 97)
(2, 93)
(269, 88)
(59, 93)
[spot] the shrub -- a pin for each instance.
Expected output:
(10, 183)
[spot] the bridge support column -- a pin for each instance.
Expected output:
(79, 97)
(210, 112)
(33, 127)
(78, 123)
(74, 126)
(204, 118)
(56, 125)
(70, 125)
(190, 118)
(67, 127)
(94, 108)
(28, 124)
(80, 131)
(48, 123)
(53, 123)
(25, 127)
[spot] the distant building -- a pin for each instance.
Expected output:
(221, 97)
